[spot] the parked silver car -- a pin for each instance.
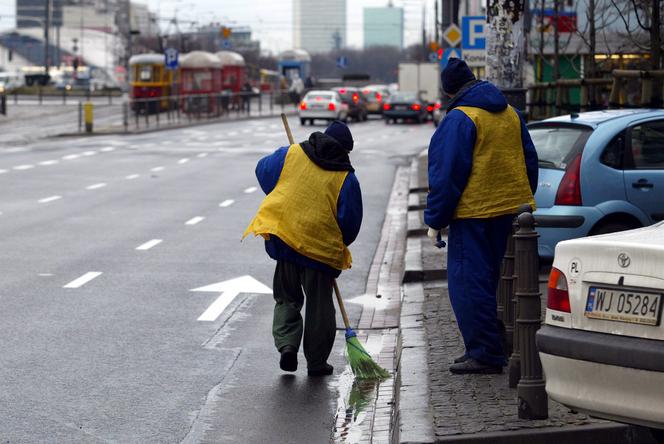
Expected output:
(323, 105)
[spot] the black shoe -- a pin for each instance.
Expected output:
(288, 361)
(463, 358)
(471, 366)
(325, 370)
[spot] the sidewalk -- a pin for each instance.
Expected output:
(435, 406)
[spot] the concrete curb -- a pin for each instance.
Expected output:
(166, 128)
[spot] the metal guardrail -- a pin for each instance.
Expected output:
(64, 96)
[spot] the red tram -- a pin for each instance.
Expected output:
(200, 82)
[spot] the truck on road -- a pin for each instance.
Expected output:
(423, 79)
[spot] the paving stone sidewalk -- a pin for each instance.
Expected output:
(437, 406)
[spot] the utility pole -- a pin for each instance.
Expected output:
(505, 49)
(47, 24)
(437, 23)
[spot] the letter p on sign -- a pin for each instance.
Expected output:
(472, 31)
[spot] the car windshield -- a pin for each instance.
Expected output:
(557, 145)
(318, 97)
(403, 97)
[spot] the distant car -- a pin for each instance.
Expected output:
(9, 82)
(375, 96)
(405, 106)
(602, 344)
(438, 113)
(355, 100)
(599, 172)
(323, 105)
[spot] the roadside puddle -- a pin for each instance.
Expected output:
(353, 416)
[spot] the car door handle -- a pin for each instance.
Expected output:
(642, 183)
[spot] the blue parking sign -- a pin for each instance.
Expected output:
(171, 58)
(473, 32)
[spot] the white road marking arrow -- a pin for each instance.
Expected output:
(229, 290)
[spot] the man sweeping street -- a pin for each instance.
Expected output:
(311, 214)
(482, 168)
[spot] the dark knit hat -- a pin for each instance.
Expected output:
(339, 131)
(455, 75)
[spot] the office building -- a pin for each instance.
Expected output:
(383, 27)
(319, 25)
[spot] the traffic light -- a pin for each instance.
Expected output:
(440, 53)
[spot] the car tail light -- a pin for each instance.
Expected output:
(386, 107)
(379, 98)
(557, 295)
(366, 92)
(331, 107)
(430, 108)
(356, 98)
(416, 106)
(342, 91)
(436, 106)
(569, 190)
(303, 105)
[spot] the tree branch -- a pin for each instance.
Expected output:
(638, 19)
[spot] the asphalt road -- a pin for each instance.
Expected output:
(103, 240)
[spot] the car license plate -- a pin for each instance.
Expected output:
(613, 304)
(400, 107)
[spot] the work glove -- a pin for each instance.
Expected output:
(436, 238)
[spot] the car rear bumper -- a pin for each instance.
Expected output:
(559, 223)
(322, 114)
(401, 114)
(610, 376)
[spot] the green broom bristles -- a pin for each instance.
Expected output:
(360, 362)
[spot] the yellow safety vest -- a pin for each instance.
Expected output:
(302, 211)
(498, 182)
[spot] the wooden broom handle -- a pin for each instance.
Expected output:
(341, 304)
(344, 315)
(287, 128)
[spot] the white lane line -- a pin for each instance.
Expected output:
(250, 190)
(132, 176)
(87, 277)
(23, 167)
(246, 131)
(49, 199)
(233, 133)
(149, 244)
(202, 155)
(194, 220)
(181, 161)
(15, 150)
(107, 149)
(157, 169)
(89, 153)
(226, 203)
(71, 156)
(49, 162)
(95, 186)
(4, 171)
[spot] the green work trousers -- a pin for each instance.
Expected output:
(291, 283)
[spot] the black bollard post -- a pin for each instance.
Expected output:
(514, 364)
(3, 104)
(505, 292)
(531, 393)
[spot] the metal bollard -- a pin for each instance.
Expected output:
(3, 104)
(531, 393)
(260, 103)
(88, 111)
(514, 364)
(506, 293)
(80, 116)
(125, 116)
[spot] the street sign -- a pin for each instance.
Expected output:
(448, 54)
(226, 44)
(473, 32)
(171, 58)
(433, 57)
(342, 62)
(452, 35)
(474, 57)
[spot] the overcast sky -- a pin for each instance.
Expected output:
(271, 20)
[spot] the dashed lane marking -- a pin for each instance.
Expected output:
(4, 171)
(194, 220)
(149, 244)
(201, 155)
(250, 190)
(132, 176)
(226, 203)
(49, 162)
(89, 153)
(49, 199)
(157, 169)
(95, 186)
(71, 156)
(107, 149)
(23, 167)
(87, 277)
(181, 161)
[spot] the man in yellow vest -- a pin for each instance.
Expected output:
(482, 168)
(312, 212)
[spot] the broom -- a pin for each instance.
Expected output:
(360, 361)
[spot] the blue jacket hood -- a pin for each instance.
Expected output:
(480, 95)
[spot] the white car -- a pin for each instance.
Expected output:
(324, 105)
(602, 345)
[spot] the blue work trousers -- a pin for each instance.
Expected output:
(475, 251)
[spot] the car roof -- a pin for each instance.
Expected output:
(596, 118)
(320, 91)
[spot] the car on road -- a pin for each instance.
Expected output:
(602, 342)
(375, 96)
(322, 105)
(599, 172)
(404, 106)
(355, 101)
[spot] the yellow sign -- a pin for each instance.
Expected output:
(452, 35)
(433, 46)
(226, 32)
